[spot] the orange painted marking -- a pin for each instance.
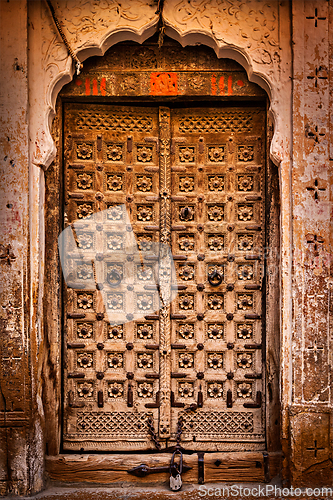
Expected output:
(103, 86)
(78, 82)
(240, 83)
(95, 89)
(221, 85)
(163, 84)
(87, 86)
(214, 89)
(230, 85)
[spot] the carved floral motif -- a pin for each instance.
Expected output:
(115, 212)
(245, 212)
(85, 389)
(186, 243)
(145, 360)
(185, 390)
(216, 183)
(84, 151)
(186, 154)
(244, 331)
(215, 331)
(84, 330)
(144, 183)
(84, 272)
(244, 390)
(144, 154)
(215, 360)
(185, 360)
(216, 153)
(114, 152)
(115, 301)
(245, 242)
(145, 331)
(186, 272)
(115, 182)
(115, 241)
(84, 211)
(245, 153)
(144, 273)
(186, 184)
(85, 360)
(145, 390)
(245, 272)
(186, 301)
(115, 390)
(84, 181)
(144, 213)
(84, 241)
(215, 301)
(245, 183)
(85, 300)
(215, 213)
(115, 332)
(244, 360)
(145, 243)
(144, 301)
(186, 331)
(245, 302)
(115, 360)
(215, 390)
(215, 242)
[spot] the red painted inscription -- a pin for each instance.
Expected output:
(163, 84)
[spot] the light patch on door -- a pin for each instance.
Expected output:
(134, 275)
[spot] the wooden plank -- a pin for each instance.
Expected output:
(108, 469)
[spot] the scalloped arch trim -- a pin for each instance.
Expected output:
(45, 149)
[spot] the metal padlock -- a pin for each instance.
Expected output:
(176, 482)
(176, 472)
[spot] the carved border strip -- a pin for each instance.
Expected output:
(164, 272)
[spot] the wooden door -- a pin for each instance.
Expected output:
(154, 197)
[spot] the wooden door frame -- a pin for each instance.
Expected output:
(52, 396)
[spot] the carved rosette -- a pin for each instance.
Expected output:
(165, 273)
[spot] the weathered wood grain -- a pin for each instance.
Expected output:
(108, 469)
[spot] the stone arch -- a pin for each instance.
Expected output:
(258, 61)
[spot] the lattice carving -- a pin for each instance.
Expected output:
(222, 122)
(118, 424)
(217, 423)
(117, 121)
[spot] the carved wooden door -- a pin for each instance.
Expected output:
(153, 197)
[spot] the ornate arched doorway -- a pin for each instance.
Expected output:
(169, 146)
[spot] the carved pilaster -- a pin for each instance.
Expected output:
(165, 272)
(311, 235)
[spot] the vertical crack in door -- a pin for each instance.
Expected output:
(138, 180)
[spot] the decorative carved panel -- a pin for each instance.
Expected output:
(220, 367)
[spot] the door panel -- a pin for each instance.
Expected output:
(137, 358)
(112, 184)
(217, 170)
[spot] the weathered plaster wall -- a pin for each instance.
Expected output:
(312, 128)
(17, 393)
(257, 34)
